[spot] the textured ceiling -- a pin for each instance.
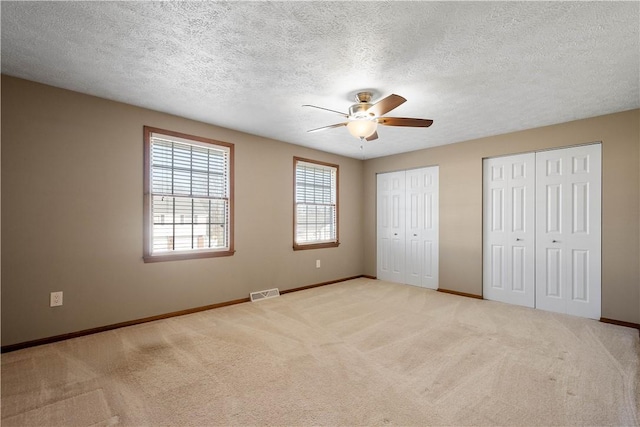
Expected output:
(476, 69)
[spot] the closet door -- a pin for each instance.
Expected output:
(508, 229)
(422, 227)
(391, 226)
(568, 230)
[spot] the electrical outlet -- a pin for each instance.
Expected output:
(317, 263)
(55, 299)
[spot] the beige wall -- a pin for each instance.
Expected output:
(72, 213)
(461, 203)
(72, 217)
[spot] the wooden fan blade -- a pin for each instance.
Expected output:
(386, 104)
(337, 125)
(326, 109)
(404, 121)
(373, 136)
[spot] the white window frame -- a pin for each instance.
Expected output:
(301, 242)
(203, 248)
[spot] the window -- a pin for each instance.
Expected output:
(188, 196)
(316, 204)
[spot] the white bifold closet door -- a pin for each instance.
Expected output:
(407, 231)
(568, 230)
(390, 229)
(542, 230)
(509, 237)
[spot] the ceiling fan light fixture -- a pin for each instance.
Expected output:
(362, 128)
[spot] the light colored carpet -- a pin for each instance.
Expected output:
(361, 352)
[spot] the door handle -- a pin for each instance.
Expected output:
(415, 235)
(555, 241)
(519, 239)
(395, 234)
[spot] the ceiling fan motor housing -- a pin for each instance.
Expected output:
(359, 111)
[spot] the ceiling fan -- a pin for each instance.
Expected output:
(364, 117)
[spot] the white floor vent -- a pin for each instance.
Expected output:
(269, 293)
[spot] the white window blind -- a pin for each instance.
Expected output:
(316, 215)
(189, 191)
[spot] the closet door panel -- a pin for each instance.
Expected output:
(422, 227)
(585, 231)
(415, 215)
(508, 230)
(391, 226)
(430, 226)
(569, 231)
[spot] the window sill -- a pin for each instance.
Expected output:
(183, 256)
(297, 247)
